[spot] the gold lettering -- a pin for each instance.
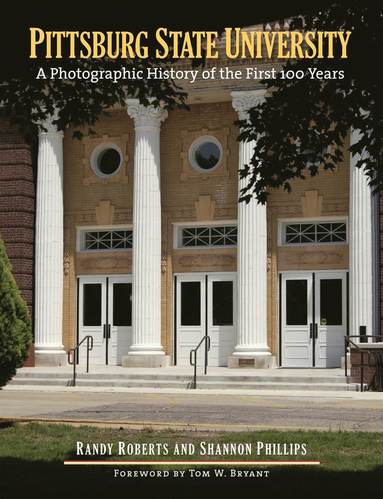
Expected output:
(229, 52)
(296, 45)
(161, 54)
(309, 36)
(84, 39)
(283, 52)
(37, 37)
(269, 38)
(344, 41)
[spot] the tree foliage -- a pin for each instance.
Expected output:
(303, 125)
(15, 323)
(28, 101)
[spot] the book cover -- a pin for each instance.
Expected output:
(190, 246)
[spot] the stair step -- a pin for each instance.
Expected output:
(216, 386)
(184, 377)
(202, 384)
(40, 381)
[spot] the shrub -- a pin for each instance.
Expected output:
(15, 322)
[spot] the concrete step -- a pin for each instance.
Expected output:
(183, 384)
(184, 377)
(225, 385)
(39, 381)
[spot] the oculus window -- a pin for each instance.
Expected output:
(205, 154)
(106, 160)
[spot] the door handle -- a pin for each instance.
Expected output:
(311, 330)
(316, 330)
(108, 330)
(104, 331)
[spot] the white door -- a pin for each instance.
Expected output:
(221, 317)
(205, 305)
(105, 313)
(119, 318)
(190, 317)
(297, 327)
(92, 318)
(313, 318)
(330, 318)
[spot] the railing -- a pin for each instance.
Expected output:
(193, 358)
(73, 356)
(363, 338)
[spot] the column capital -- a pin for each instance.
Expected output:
(49, 126)
(244, 100)
(145, 116)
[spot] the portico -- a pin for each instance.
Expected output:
(148, 210)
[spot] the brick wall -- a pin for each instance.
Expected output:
(17, 193)
(368, 367)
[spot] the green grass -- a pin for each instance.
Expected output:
(50, 442)
(32, 455)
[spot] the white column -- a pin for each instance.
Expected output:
(49, 348)
(146, 349)
(363, 233)
(251, 261)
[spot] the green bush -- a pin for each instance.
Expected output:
(15, 322)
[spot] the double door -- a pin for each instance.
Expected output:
(313, 318)
(205, 304)
(105, 313)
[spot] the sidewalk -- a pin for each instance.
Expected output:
(195, 409)
(294, 394)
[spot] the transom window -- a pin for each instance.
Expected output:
(107, 239)
(222, 235)
(315, 233)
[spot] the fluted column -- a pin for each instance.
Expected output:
(363, 233)
(49, 348)
(251, 343)
(146, 349)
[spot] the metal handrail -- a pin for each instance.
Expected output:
(348, 342)
(73, 360)
(193, 358)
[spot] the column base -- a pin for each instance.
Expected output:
(50, 358)
(260, 361)
(145, 360)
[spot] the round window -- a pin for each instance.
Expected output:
(106, 160)
(205, 154)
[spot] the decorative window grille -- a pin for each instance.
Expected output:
(107, 240)
(315, 233)
(225, 235)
